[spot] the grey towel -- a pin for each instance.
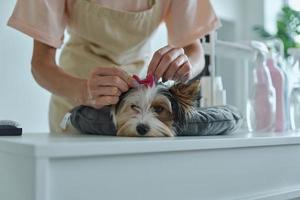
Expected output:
(218, 120)
(88, 120)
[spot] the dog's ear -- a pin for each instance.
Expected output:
(186, 94)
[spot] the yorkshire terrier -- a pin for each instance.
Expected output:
(155, 110)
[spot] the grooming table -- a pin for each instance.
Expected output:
(242, 166)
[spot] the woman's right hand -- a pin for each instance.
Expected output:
(105, 85)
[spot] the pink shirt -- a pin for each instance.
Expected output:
(46, 20)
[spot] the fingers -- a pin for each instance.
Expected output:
(101, 101)
(174, 67)
(167, 63)
(158, 55)
(102, 96)
(105, 91)
(110, 81)
(105, 85)
(101, 71)
(183, 73)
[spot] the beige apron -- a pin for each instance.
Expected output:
(103, 37)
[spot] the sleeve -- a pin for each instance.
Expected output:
(187, 20)
(43, 20)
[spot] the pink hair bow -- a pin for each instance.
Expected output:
(149, 81)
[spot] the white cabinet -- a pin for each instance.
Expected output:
(45, 167)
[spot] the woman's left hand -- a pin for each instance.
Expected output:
(170, 63)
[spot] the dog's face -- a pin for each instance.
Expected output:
(154, 111)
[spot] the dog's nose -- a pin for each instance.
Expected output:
(142, 129)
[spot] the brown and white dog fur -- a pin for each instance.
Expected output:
(155, 111)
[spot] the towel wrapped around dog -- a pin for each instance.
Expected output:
(219, 120)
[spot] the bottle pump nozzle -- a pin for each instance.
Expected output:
(295, 52)
(261, 50)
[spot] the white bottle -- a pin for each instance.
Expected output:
(220, 93)
(206, 91)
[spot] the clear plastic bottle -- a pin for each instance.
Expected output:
(278, 68)
(295, 108)
(295, 90)
(261, 105)
(278, 82)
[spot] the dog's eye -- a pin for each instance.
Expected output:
(158, 109)
(134, 107)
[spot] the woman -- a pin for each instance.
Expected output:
(109, 41)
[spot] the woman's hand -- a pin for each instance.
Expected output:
(105, 85)
(179, 64)
(170, 64)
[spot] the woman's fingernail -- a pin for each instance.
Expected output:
(135, 83)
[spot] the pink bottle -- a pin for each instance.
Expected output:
(277, 77)
(264, 99)
(261, 105)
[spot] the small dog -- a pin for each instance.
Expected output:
(155, 111)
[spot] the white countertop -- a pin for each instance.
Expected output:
(50, 145)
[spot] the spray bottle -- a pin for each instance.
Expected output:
(261, 105)
(281, 64)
